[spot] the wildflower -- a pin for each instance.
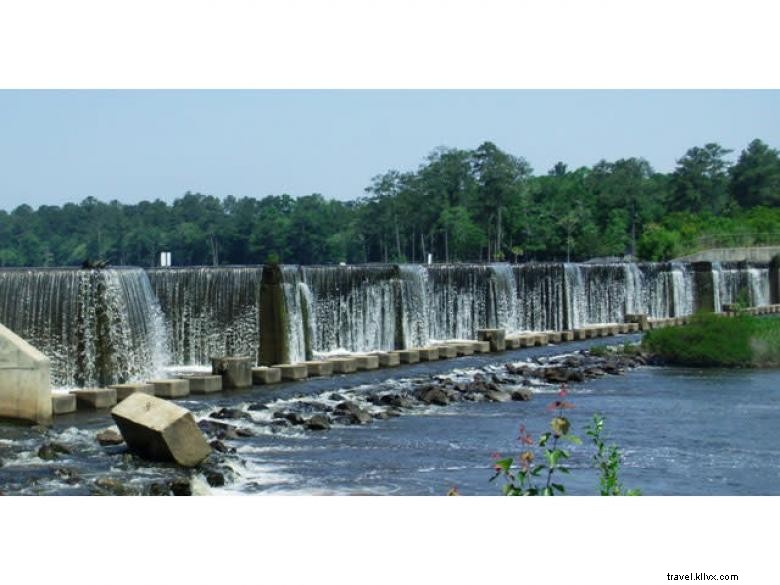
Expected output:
(560, 426)
(453, 491)
(559, 405)
(526, 458)
(563, 392)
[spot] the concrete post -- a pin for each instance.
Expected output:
(774, 280)
(273, 318)
(704, 287)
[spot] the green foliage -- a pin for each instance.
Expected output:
(483, 204)
(713, 340)
(607, 460)
(532, 475)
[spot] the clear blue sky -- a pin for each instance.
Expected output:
(60, 146)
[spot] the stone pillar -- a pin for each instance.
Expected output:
(774, 280)
(274, 347)
(704, 287)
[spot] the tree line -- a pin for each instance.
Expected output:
(483, 204)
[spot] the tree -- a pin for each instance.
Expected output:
(700, 181)
(755, 179)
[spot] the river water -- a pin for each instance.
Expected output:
(682, 432)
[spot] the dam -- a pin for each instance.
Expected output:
(116, 325)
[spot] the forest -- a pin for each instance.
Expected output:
(458, 206)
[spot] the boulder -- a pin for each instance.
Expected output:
(319, 422)
(160, 430)
(522, 394)
(51, 450)
(498, 396)
(236, 372)
(109, 437)
(433, 395)
(353, 412)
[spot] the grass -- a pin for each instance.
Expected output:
(712, 340)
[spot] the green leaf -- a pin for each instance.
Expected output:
(504, 464)
(559, 487)
(547, 491)
(572, 439)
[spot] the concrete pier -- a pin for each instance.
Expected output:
(774, 280)
(704, 286)
(409, 356)
(204, 384)
(428, 354)
(640, 319)
(293, 371)
(388, 359)
(25, 383)
(447, 351)
(481, 347)
(464, 348)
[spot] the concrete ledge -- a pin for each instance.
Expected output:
(580, 334)
(496, 337)
(25, 383)
(567, 335)
(293, 371)
(125, 390)
(265, 375)
(640, 319)
(344, 365)
(554, 337)
(94, 398)
(174, 388)
(612, 329)
(409, 356)
(388, 359)
(204, 384)
(513, 342)
(367, 362)
(319, 368)
(633, 327)
(63, 403)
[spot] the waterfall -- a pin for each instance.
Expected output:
(717, 269)
(96, 326)
(415, 305)
(301, 327)
(209, 311)
(504, 299)
(758, 285)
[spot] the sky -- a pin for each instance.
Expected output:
(132, 145)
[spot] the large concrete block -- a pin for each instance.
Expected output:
(409, 356)
(388, 359)
(160, 430)
(25, 383)
(125, 390)
(612, 329)
(428, 354)
(496, 337)
(63, 403)
(367, 362)
(204, 384)
(541, 339)
(527, 340)
(94, 398)
(173, 388)
(581, 334)
(447, 351)
(554, 337)
(567, 335)
(481, 346)
(464, 348)
(513, 342)
(265, 375)
(293, 371)
(319, 368)
(640, 318)
(236, 372)
(344, 365)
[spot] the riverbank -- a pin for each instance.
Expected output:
(716, 340)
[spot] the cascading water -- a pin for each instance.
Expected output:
(96, 326)
(301, 327)
(415, 305)
(459, 300)
(210, 311)
(353, 307)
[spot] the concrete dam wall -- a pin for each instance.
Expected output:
(116, 325)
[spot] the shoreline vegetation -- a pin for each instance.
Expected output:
(459, 205)
(717, 341)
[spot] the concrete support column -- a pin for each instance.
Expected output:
(774, 280)
(273, 318)
(704, 287)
